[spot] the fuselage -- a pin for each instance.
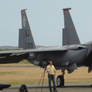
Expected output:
(70, 59)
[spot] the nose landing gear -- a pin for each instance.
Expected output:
(60, 80)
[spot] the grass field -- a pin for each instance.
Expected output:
(32, 75)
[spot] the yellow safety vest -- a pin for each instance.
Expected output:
(51, 69)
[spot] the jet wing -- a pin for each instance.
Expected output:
(15, 56)
(44, 49)
(32, 50)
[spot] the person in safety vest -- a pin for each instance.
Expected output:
(51, 75)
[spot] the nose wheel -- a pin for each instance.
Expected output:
(60, 81)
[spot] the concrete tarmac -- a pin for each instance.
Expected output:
(81, 88)
(47, 90)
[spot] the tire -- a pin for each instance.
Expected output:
(60, 81)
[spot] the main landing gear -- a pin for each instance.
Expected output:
(60, 80)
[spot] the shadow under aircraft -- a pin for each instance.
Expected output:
(68, 57)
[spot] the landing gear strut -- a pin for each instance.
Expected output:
(60, 80)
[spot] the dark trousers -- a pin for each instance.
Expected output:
(51, 78)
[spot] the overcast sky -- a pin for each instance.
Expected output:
(46, 20)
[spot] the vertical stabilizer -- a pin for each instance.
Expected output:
(69, 32)
(26, 40)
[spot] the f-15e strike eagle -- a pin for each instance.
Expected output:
(68, 57)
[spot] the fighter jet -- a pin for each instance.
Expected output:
(68, 57)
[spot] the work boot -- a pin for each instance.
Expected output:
(51, 90)
(55, 91)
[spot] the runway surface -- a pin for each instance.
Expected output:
(47, 90)
(78, 88)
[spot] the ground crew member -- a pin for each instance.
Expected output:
(51, 75)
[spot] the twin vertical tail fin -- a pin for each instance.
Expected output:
(26, 40)
(69, 32)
